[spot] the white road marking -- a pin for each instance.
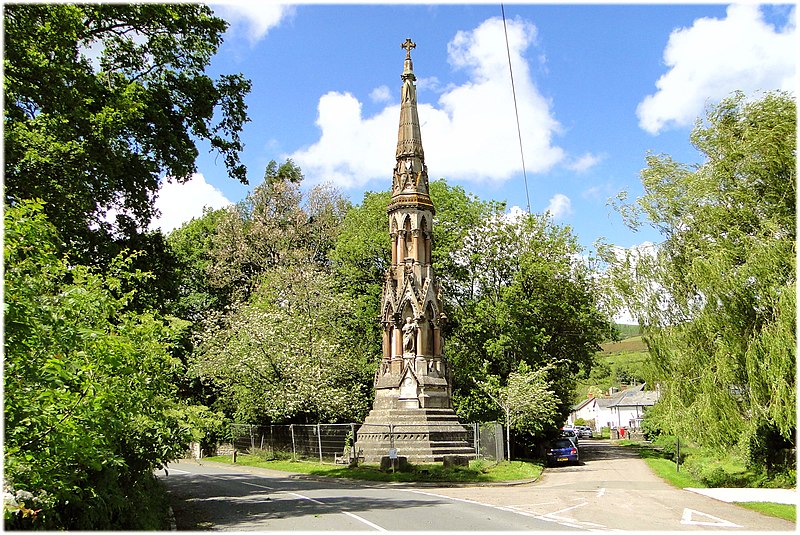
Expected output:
(547, 518)
(178, 471)
(306, 498)
(365, 521)
(360, 519)
(255, 485)
(351, 515)
(717, 522)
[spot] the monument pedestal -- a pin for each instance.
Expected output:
(420, 435)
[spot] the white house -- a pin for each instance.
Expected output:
(621, 409)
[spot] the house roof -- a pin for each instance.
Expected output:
(631, 397)
(634, 397)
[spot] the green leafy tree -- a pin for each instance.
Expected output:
(717, 298)
(89, 400)
(525, 296)
(526, 401)
(276, 225)
(104, 100)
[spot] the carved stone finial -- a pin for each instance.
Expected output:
(408, 45)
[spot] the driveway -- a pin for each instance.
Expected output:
(613, 489)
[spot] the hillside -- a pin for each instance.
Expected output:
(618, 365)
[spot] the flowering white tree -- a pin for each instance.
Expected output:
(283, 355)
(526, 400)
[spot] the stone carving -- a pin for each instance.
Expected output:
(410, 336)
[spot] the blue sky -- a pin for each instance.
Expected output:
(598, 86)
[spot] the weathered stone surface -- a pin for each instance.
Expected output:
(412, 411)
(400, 464)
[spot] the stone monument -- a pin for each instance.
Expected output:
(412, 412)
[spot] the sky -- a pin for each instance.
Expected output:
(597, 87)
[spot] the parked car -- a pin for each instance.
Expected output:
(562, 450)
(570, 434)
(584, 431)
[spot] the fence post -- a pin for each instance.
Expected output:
(319, 441)
(294, 451)
(498, 442)
(477, 438)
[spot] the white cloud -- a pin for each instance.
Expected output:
(560, 205)
(585, 162)
(255, 19)
(179, 203)
(470, 134)
(381, 94)
(713, 58)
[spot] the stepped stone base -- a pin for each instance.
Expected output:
(420, 435)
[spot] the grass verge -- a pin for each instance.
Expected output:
(477, 472)
(779, 510)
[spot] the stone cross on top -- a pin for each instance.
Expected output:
(408, 45)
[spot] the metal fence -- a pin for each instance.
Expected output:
(324, 442)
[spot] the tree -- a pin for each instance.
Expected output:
(89, 400)
(104, 100)
(526, 400)
(525, 295)
(274, 226)
(282, 355)
(717, 298)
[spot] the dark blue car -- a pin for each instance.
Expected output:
(562, 450)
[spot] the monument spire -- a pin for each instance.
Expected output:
(410, 181)
(412, 383)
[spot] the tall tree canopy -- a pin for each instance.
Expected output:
(103, 102)
(718, 296)
(523, 294)
(89, 388)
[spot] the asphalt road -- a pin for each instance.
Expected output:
(612, 490)
(211, 496)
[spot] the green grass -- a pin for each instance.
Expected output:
(634, 344)
(478, 471)
(778, 510)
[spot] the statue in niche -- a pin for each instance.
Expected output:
(410, 336)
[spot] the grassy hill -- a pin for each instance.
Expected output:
(627, 331)
(617, 365)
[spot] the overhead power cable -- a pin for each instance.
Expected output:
(516, 109)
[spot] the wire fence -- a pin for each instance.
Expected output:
(328, 442)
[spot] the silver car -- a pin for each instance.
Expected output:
(584, 431)
(570, 434)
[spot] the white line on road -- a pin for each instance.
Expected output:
(306, 498)
(562, 521)
(717, 522)
(365, 521)
(256, 485)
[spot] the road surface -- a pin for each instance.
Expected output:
(220, 497)
(612, 490)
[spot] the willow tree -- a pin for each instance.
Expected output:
(717, 297)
